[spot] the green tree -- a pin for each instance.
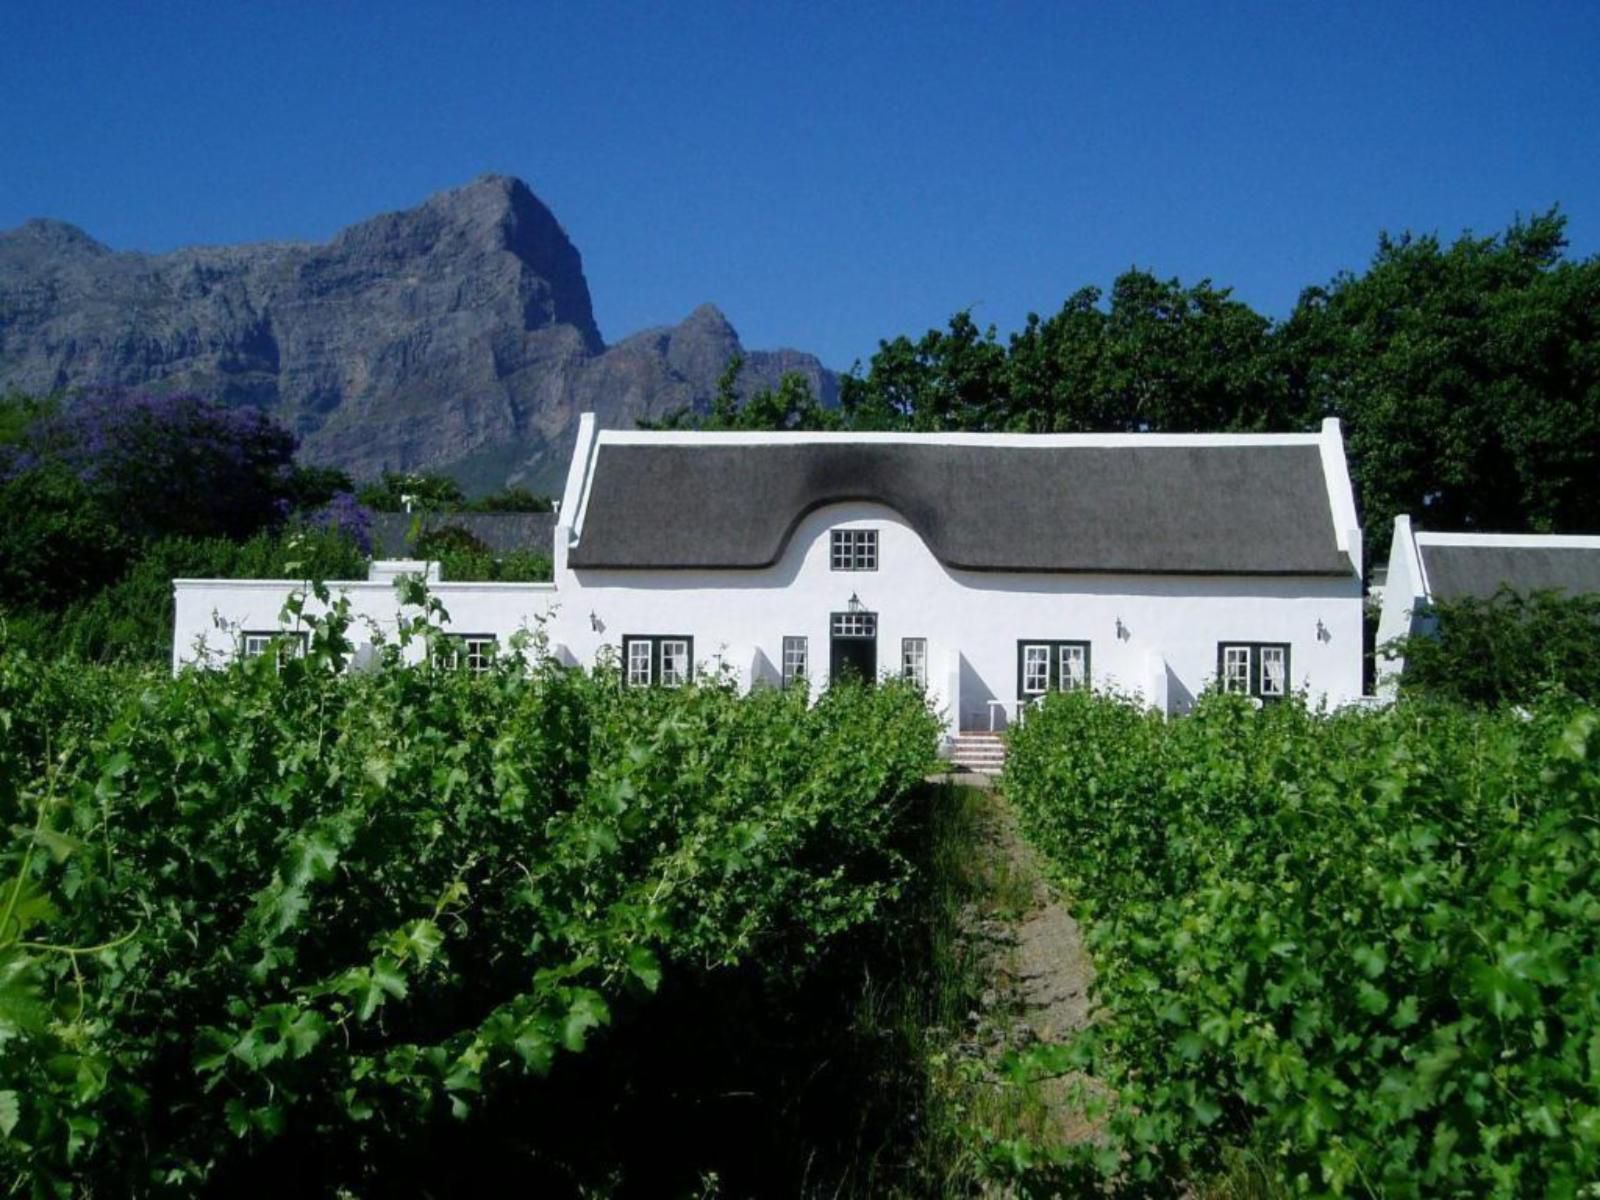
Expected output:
(309, 488)
(792, 405)
(57, 541)
(1467, 378)
(509, 499)
(426, 492)
(954, 379)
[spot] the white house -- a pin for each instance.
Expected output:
(990, 567)
(1426, 566)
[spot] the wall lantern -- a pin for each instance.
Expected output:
(1123, 632)
(595, 623)
(1322, 632)
(854, 604)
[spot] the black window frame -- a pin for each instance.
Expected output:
(656, 642)
(848, 549)
(1254, 669)
(1053, 667)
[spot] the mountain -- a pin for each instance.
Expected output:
(456, 336)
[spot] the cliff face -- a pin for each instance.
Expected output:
(455, 336)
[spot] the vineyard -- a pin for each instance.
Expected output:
(292, 928)
(286, 925)
(1358, 952)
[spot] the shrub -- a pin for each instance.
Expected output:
(1505, 650)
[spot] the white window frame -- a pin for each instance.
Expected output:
(253, 643)
(1236, 670)
(1274, 686)
(1052, 664)
(796, 655)
(1073, 666)
(1035, 668)
(474, 651)
(641, 663)
(663, 660)
(914, 660)
(1257, 669)
(675, 665)
(853, 549)
(855, 625)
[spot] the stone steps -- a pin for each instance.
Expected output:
(979, 751)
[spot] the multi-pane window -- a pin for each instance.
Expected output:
(1051, 666)
(641, 663)
(473, 651)
(1072, 663)
(478, 653)
(914, 660)
(1236, 669)
(794, 660)
(855, 624)
(255, 643)
(1274, 670)
(1035, 670)
(650, 659)
(855, 550)
(1254, 669)
(674, 662)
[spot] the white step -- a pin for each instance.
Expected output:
(984, 752)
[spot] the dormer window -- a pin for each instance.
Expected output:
(855, 550)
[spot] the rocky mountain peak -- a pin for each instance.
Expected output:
(48, 236)
(457, 335)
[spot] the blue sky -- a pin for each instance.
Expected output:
(827, 174)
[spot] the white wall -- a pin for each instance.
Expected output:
(1404, 593)
(211, 613)
(738, 619)
(972, 620)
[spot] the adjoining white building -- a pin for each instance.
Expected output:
(990, 567)
(1425, 567)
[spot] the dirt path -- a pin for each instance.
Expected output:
(1037, 962)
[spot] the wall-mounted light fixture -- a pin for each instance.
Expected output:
(1123, 632)
(595, 623)
(1323, 635)
(854, 603)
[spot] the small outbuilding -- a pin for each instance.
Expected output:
(1425, 567)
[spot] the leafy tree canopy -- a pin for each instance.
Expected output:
(791, 406)
(166, 465)
(1467, 376)
(394, 490)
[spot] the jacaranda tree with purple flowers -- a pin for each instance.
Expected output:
(170, 464)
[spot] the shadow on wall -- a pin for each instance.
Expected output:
(762, 671)
(1180, 700)
(975, 697)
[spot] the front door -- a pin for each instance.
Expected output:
(853, 648)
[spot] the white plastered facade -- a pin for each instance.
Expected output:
(1153, 635)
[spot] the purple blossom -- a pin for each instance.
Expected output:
(344, 515)
(171, 463)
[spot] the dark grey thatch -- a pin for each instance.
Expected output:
(1252, 510)
(501, 533)
(1456, 572)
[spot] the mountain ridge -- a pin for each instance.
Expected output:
(457, 335)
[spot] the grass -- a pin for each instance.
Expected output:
(935, 1009)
